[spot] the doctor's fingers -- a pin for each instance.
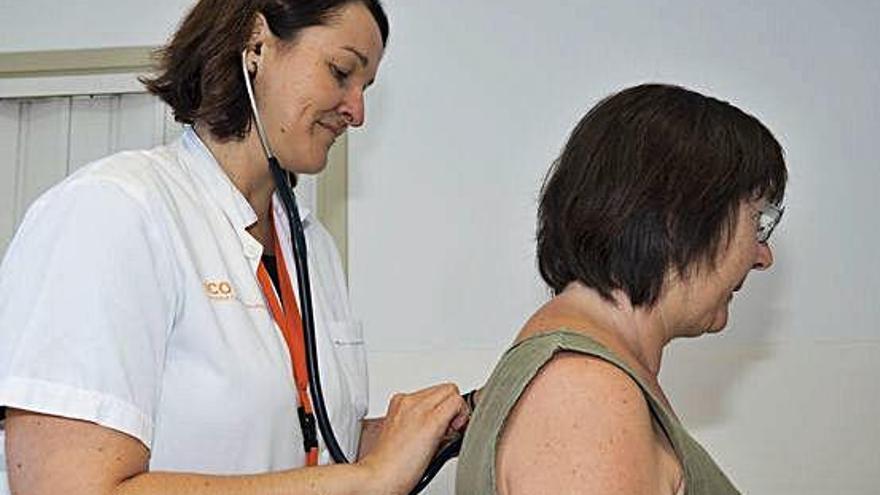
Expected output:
(440, 406)
(428, 399)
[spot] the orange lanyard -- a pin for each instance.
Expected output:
(289, 321)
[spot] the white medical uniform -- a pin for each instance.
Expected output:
(129, 298)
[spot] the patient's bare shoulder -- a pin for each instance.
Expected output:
(583, 426)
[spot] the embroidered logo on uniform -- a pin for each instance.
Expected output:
(219, 289)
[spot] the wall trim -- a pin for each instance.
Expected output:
(93, 71)
(332, 197)
(76, 62)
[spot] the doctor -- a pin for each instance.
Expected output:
(144, 347)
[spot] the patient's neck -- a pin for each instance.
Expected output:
(642, 331)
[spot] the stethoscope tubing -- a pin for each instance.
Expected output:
(284, 185)
(300, 259)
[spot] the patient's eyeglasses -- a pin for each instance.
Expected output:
(768, 219)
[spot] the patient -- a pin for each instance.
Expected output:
(660, 205)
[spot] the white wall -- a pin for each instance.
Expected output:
(473, 102)
(34, 25)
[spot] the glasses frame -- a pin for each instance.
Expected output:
(769, 217)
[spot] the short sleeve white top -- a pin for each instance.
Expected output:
(129, 298)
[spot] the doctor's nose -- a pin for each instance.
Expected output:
(352, 108)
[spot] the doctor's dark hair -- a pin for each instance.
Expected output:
(651, 180)
(199, 70)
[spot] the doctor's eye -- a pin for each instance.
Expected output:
(338, 73)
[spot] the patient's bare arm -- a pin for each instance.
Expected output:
(583, 426)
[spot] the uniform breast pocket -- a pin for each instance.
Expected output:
(350, 349)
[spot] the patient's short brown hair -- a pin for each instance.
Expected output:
(651, 179)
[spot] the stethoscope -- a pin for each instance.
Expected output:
(284, 184)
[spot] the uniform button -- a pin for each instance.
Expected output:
(252, 251)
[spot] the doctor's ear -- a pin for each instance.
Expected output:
(260, 33)
(250, 59)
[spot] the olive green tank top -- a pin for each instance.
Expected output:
(517, 368)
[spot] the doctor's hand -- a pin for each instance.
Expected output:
(412, 431)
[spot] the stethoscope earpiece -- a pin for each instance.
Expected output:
(261, 132)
